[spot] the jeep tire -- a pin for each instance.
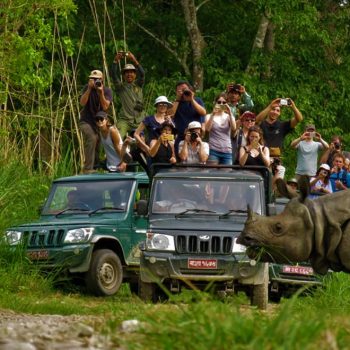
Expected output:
(105, 274)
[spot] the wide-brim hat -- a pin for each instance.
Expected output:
(129, 67)
(96, 74)
(162, 99)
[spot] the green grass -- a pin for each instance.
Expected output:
(320, 320)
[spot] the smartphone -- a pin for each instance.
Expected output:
(285, 102)
(313, 134)
(170, 137)
(223, 107)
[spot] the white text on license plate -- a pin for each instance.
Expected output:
(202, 264)
(300, 270)
(38, 254)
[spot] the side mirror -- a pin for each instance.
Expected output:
(142, 207)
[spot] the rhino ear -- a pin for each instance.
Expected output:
(284, 190)
(304, 187)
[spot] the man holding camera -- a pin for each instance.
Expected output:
(95, 98)
(192, 150)
(129, 91)
(307, 150)
(186, 109)
(238, 99)
(275, 130)
(335, 147)
(340, 178)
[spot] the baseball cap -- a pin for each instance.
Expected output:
(310, 126)
(248, 115)
(96, 74)
(101, 114)
(194, 125)
(325, 167)
(162, 99)
(293, 180)
(129, 67)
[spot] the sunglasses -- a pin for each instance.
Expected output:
(249, 120)
(221, 102)
(162, 105)
(100, 119)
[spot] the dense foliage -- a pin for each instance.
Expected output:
(49, 47)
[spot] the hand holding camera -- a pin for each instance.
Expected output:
(285, 102)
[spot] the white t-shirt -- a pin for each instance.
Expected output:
(193, 154)
(307, 157)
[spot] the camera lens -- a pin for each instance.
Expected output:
(187, 93)
(194, 136)
(98, 83)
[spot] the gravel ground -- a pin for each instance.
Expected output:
(51, 332)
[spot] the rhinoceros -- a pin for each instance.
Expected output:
(317, 230)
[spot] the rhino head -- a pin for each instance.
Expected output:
(287, 237)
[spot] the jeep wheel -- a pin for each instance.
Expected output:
(148, 291)
(105, 274)
(260, 295)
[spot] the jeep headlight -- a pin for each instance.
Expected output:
(157, 241)
(238, 248)
(79, 235)
(13, 237)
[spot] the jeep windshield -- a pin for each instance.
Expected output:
(206, 196)
(88, 197)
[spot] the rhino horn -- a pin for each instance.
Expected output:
(250, 213)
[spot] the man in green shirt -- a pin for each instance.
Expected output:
(129, 91)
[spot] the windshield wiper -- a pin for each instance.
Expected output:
(71, 209)
(232, 211)
(106, 209)
(195, 211)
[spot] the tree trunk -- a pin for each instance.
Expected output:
(197, 42)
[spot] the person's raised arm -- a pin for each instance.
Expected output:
(86, 94)
(154, 146)
(263, 114)
(104, 102)
(298, 117)
(295, 143)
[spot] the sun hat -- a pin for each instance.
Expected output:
(194, 125)
(325, 167)
(162, 99)
(129, 67)
(97, 74)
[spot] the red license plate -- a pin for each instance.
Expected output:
(202, 264)
(298, 270)
(38, 255)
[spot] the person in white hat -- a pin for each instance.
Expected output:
(129, 91)
(321, 184)
(95, 98)
(151, 123)
(192, 150)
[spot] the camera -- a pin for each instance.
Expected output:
(98, 83)
(337, 145)
(285, 102)
(187, 93)
(275, 163)
(194, 136)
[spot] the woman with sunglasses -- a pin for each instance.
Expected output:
(152, 122)
(111, 141)
(320, 184)
(220, 124)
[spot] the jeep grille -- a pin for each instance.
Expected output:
(50, 238)
(212, 245)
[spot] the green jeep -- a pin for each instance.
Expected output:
(90, 225)
(195, 215)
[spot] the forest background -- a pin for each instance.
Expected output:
(276, 48)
